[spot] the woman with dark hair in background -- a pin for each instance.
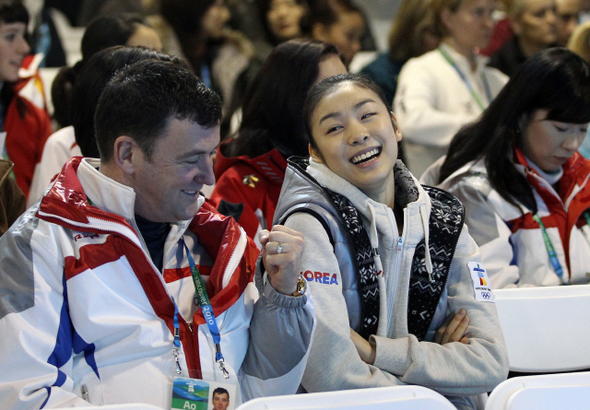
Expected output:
(198, 32)
(281, 20)
(284, 19)
(101, 33)
(412, 34)
(524, 185)
(338, 22)
(250, 168)
(104, 32)
(26, 125)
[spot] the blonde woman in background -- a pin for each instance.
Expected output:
(534, 23)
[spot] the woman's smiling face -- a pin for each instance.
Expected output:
(356, 137)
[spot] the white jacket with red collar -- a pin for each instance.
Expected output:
(512, 245)
(85, 314)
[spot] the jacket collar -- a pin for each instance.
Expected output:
(85, 199)
(271, 164)
(462, 61)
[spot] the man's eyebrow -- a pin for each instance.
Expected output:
(196, 152)
(356, 107)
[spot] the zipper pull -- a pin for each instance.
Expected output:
(400, 244)
(84, 391)
(221, 364)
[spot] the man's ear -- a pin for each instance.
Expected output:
(315, 155)
(398, 133)
(126, 154)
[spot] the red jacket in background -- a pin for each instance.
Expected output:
(254, 182)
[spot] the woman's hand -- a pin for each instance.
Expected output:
(365, 349)
(453, 329)
(282, 248)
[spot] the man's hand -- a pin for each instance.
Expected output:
(366, 350)
(453, 329)
(282, 248)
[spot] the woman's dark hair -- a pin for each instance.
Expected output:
(185, 17)
(92, 80)
(412, 20)
(329, 85)
(264, 7)
(556, 80)
(13, 11)
(327, 12)
(109, 31)
(101, 33)
(273, 101)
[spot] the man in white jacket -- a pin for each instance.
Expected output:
(122, 280)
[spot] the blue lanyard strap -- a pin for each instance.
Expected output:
(207, 310)
(176, 338)
(550, 249)
(466, 81)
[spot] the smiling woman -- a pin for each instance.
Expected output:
(524, 186)
(378, 235)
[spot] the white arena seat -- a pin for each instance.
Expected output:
(129, 406)
(379, 398)
(542, 392)
(547, 329)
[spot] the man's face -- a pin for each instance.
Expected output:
(220, 401)
(167, 185)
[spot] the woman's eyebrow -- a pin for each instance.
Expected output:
(356, 107)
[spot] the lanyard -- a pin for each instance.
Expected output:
(466, 81)
(549, 247)
(208, 314)
(206, 75)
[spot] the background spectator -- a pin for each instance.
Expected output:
(338, 22)
(567, 13)
(103, 32)
(446, 88)
(534, 25)
(250, 168)
(26, 125)
(12, 199)
(412, 34)
(517, 166)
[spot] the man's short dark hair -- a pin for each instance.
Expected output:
(220, 390)
(142, 98)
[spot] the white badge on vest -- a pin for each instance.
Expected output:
(481, 282)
